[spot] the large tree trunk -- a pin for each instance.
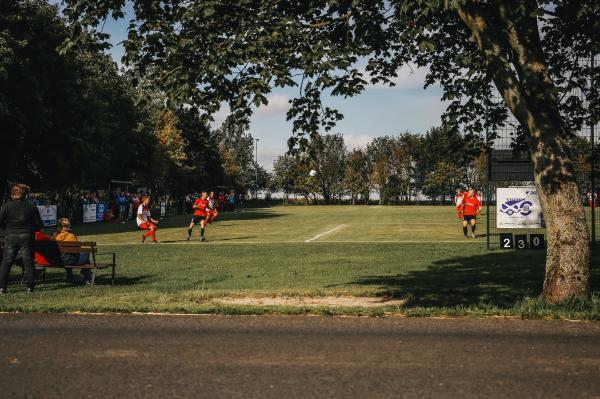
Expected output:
(567, 260)
(524, 82)
(568, 254)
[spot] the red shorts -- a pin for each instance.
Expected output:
(147, 226)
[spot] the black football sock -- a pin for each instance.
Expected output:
(473, 229)
(189, 232)
(465, 230)
(202, 232)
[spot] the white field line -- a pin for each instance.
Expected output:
(404, 241)
(413, 224)
(325, 233)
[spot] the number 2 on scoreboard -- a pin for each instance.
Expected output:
(506, 241)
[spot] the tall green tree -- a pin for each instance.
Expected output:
(204, 165)
(66, 119)
(356, 179)
(236, 146)
(442, 181)
(212, 51)
(329, 153)
(283, 176)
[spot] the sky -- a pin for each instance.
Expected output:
(378, 111)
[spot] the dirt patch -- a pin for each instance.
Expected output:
(336, 301)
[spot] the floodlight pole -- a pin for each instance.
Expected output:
(488, 157)
(592, 167)
(256, 165)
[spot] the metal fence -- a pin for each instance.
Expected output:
(509, 168)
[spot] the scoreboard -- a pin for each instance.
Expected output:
(522, 241)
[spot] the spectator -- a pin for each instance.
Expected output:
(221, 201)
(241, 202)
(231, 201)
(33, 199)
(64, 233)
(20, 220)
(135, 203)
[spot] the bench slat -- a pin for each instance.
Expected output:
(71, 247)
(90, 266)
(77, 250)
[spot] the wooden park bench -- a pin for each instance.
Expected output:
(70, 247)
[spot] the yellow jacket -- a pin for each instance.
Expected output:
(65, 236)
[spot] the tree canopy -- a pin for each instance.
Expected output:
(531, 52)
(203, 53)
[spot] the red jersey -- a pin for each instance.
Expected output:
(200, 206)
(458, 199)
(471, 205)
(44, 258)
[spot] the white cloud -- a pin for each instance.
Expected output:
(278, 104)
(357, 140)
(220, 116)
(409, 77)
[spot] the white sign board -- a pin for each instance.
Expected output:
(518, 208)
(163, 209)
(89, 213)
(48, 214)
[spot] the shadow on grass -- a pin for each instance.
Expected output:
(236, 238)
(57, 280)
(179, 221)
(248, 214)
(499, 279)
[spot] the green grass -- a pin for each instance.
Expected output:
(413, 253)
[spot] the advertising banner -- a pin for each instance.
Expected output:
(89, 213)
(48, 214)
(163, 209)
(100, 209)
(518, 208)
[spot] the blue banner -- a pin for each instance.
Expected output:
(100, 207)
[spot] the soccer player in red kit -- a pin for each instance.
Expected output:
(458, 202)
(145, 221)
(200, 215)
(471, 208)
(211, 212)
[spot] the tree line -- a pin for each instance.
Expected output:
(209, 52)
(73, 120)
(398, 168)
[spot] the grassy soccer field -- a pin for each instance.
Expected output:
(415, 254)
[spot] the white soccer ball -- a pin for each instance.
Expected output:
(312, 173)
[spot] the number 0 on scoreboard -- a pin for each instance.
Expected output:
(537, 241)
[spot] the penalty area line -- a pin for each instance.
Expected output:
(325, 233)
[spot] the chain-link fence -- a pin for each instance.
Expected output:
(509, 165)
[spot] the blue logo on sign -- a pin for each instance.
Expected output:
(516, 206)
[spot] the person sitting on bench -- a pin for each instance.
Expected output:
(64, 233)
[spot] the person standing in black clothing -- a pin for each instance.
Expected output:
(20, 220)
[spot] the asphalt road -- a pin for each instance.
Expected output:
(112, 356)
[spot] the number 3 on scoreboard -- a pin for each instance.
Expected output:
(521, 241)
(506, 241)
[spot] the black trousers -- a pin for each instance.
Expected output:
(13, 243)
